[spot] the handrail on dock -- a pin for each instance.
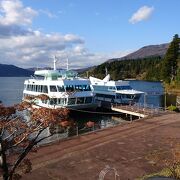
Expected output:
(137, 109)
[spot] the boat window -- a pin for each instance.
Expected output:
(100, 88)
(123, 87)
(118, 96)
(61, 101)
(88, 100)
(30, 87)
(61, 88)
(86, 88)
(111, 88)
(71, 101)
(123, 95)
(53, 89)
(45, 89)
(100, 95)
(36, 88)
(128, 96)
(40, 88)
(53, 101)
(44, 101)
(109, 96)
(78, 88)
(80, 100)
(137, 96)
(70, 88)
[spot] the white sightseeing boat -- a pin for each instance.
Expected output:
(64, 89)
(114, 91)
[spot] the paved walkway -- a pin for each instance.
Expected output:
(124, 148)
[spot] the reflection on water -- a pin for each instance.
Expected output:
(82, 123)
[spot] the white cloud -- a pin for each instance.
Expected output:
(25, 47)
(141, 14)
(12, 12)
(48, 13)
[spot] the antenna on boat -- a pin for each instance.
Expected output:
(55, 60)
(106, 71)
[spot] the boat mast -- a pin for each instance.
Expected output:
(106, 71)
(67, 64)
(55, 60)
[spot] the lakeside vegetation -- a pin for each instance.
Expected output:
(156, 68)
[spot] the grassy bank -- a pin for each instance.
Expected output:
(166, 172)
(173, 88)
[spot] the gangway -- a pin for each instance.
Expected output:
(136, 110)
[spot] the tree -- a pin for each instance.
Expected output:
(169, 65)
(19, 136)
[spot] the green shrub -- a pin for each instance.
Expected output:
(173, 108)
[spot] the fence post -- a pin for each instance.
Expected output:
(77, 130)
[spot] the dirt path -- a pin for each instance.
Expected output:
(123, 147)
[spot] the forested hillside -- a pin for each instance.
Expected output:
(138, 69)
(157, 68)
(11, 70)
(170, 67)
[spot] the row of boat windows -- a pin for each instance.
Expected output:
(111, 88)
(52, 88)
(66, 101)
(118, 96)
(70, 101)
(36, 88)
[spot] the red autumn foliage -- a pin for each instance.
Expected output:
(90, 124)
(18, 134)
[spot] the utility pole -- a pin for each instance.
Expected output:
(145, 94)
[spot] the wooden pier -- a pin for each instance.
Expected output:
(136, 110)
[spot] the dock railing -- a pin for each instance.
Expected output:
(140, 108)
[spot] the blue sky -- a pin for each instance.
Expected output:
(88, 32)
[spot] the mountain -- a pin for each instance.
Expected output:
(13, 71)
(144, 52)
(82, 70)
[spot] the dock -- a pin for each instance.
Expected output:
(136, 110)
